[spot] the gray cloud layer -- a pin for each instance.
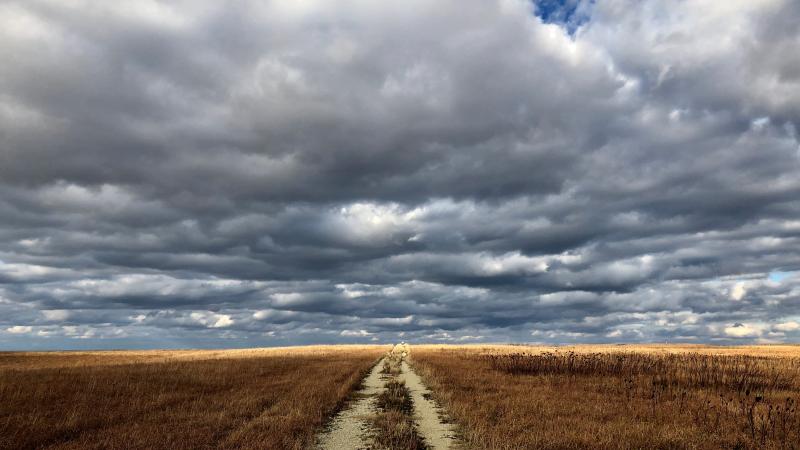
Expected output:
(264, 173)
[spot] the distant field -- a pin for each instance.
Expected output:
(653, 396)
(498, 396)
(264, 398)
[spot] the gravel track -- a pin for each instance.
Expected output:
(438, 434)
(348, 429)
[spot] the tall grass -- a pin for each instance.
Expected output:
(516, 400)
(692, 370)
(272, 401)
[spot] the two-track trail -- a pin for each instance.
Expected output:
(351, 428)
(437, 433)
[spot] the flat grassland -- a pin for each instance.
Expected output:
(501, 396)
(256, 398)
(631, 396)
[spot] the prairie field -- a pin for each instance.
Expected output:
(492, 397)
(644, 396)
(260, 398)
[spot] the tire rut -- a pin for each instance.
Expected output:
(349, 428)
(438, 434)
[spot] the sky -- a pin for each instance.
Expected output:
(192, 174)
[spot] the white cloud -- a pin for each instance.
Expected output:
(223, 320)
(19, 329)
(614, 334)
(212, 319)
(138, 319)
(738, 291)
(55, 315)
(744, 330)
(354, 333)
(787, 326)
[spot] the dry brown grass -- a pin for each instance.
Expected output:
(395, 431)
(391, 364)
(393, 424)
(514, 397)
(43, 360)
(271, 398)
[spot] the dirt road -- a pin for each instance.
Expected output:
(428, 416)
(348, 430)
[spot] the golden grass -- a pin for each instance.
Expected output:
(43, 360)
(262, 398)
(395, 430)
(655, 396)
(771, 350)
(393, 424)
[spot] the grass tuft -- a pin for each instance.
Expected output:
(395, 431)
(393, 424)
(395, 398)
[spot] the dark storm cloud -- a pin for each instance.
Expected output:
(263, 173)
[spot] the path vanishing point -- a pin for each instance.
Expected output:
(350, 429)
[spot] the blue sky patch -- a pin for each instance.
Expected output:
(570, 14)
(777, 277)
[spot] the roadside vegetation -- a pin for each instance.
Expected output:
(393, 424)
(176, 400)
(391, 366)
(510, 397)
